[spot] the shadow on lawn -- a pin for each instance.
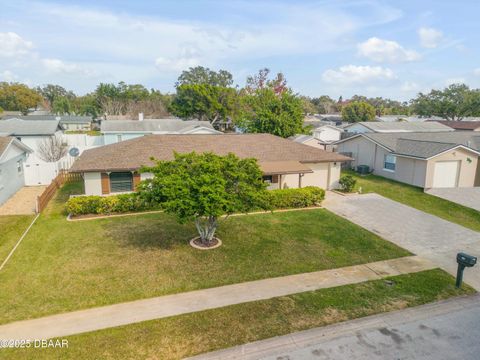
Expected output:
(157, 231)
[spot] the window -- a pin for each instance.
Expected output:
(268, 179)
(19, 166)
(389, 163)
(121, 182)
(119, 138)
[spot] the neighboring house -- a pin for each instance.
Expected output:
(461, 125)
(68, 122)
(427, 160)
(394, 127)
(114, 131)
(322, 137)
(13, 154)
(32, 133)
(285, 164)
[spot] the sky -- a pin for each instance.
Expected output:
(391, 49)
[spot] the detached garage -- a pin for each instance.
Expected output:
(427, 160)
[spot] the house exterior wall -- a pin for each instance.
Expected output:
(93, 183)
(411, 171)
(468, 167)
(10, 179)
(112, 138)
(362, 150)
(76, 126)
(326, 133)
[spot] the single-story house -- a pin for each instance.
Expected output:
(427, 160)
(68, 122)
(394, 127)
(33, 133)
(461, 125)
(13, 154)
(285, 164)
(119, 130)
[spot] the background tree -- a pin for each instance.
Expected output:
(52, 148)
(203, 187)
(325, 105)
(201, 75)
(62, 106)
(204, 102)
(265, 111)
(356, 111)
(452, 103)
(18, 97)
(308, 106)
(51, 92)
(261, 81)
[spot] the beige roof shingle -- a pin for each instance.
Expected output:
(132, 154)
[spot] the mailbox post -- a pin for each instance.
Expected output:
(463, 260)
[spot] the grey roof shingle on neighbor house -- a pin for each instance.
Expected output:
(152, 125)
(19, 127)
(64, 119)
(132, 154)
(403, 126)
(424, 145)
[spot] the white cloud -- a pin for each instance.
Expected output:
(409, 86)
(353, 74)
(380, 50)
(60, 67)
(476, 72)
(430, 37)
(13, 45)
(7, 76)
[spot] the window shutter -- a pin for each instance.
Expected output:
(105, 183)
(136, 180)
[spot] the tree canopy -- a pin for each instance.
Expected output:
(201, 75)
(203, 187)
(18, 97)
(357, 111)
(452, 103)
(265, 111)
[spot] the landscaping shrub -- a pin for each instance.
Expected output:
(296, 198)
(276, 199)
(83, 205)
(347, 183)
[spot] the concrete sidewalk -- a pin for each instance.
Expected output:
(443, 330)
(155, 308)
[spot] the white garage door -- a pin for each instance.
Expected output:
(445, 174)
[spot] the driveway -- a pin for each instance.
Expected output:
(423, 234)
(469, 197)
(440, 331)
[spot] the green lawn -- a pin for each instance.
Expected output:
(415, 197)
(186, 335)
(63, 266)
(11, 229)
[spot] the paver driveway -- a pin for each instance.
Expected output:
(423, 234)
(469, 197)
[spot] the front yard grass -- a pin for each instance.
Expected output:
(64, 266)
(415, 197)
(11, 229)
(190, 334)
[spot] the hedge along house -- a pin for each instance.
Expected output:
(427, 160)
(285, 164)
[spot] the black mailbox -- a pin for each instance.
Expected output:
(466, 260)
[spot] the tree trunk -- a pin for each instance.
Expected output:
(206, 228)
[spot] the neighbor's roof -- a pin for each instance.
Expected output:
(302, 138)
(283, 167)
(422, 145)
(65, 119)
(402, 126)
(5, 141)
(152, 125)
(461, 125)
(132, 154)
(19, 127)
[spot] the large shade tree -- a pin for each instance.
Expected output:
(452, 103)
(357, 111)
(18, 97)
(204, 187)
